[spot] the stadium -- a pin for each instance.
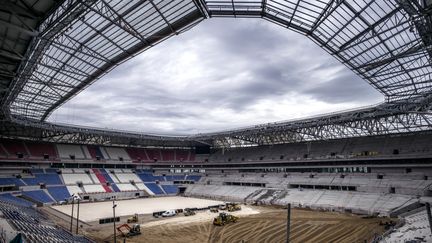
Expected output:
(359, 175)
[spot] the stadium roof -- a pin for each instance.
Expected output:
(52, 52)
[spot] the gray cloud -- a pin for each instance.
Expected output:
(222, 74)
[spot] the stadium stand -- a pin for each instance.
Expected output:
(174, 177)
(67, 151)
(104, 173)
(154, 188)
(74, 190)
(137, 154)
(14, 148)
(115, 187)
(70, 179)
(170, 189)
(149, 177)
(141, 186)
(3, 153)
(7, 197)
(94, 188)
(95, 153)
(154, 155)
(102, 180)
(40, 150)
(38, 195)
(353, 148)
(357, 202)
(127, 177)
(168, 155)
(59, 193)
(414, 184)
(11, 182)
(182, 155)
(415, 228)
(33, 225)
(117, 154)
(112, 175)
(126, 187)
(48, 179)
(192, 156)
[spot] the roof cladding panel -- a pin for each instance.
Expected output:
(385, 42)
(82, 41)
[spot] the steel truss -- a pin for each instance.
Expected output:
(385, 119)
(82, 41)
(404, 116)
(387, 43)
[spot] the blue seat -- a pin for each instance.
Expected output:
(147, 177)
(170, 189)
(11, 181)
(38, 195)
(115, 187)
(59, 193)
(48, 179)
(154, 188)
(106, 176)
(15, 200)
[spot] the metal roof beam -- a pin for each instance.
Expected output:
(369, 28)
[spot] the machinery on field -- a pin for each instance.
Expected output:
(128, 231)
(133, 219)
(231, 207)
(214, 210)
(188, 212)
(224, 218)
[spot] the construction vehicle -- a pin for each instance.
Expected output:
(223, 207)
(133, 219)
(233, 207)
(169, 213)
(188, 212)
(224, 218)
(214, 210)
(128, 231)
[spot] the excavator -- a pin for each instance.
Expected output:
(233, 207)
(188, 212)
(224, 218)
(133, 219)
(128, 231)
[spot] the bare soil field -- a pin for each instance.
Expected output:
(256, 224)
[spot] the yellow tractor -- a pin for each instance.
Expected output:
(214, 210)
(224, 218)
(133, 219)
(233, 207)
(188, 212)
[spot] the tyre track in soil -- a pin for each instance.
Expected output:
(268, 227)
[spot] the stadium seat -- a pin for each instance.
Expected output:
(59, 193)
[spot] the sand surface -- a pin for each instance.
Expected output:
(95, 211)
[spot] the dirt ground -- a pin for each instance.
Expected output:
(256, 224)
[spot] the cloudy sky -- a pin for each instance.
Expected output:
(222, 74)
